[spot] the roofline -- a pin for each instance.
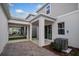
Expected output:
(44, 16)
(42, 7)
(5, 7)
(18, 22)
(18, 19)
(29, 16)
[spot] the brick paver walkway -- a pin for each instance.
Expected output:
(26, 48)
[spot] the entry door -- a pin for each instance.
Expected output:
(48, 32)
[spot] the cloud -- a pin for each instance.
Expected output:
(11, 4)
(20, 11)
(23, 16)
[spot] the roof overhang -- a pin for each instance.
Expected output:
(5, 7)
(29, 16)
(46, 17)
(18, 22)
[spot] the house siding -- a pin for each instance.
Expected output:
(3, 29)
(59, 8)
(70, 20)
(78, 5)
(62, 8)
(71, 25)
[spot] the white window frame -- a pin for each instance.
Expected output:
(62, 28)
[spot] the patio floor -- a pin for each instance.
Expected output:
(36, 41)
(26, 48)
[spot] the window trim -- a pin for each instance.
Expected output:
(61, 28)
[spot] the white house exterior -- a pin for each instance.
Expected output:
(3, 28)
(62, 17)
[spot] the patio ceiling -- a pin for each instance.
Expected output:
(18, 22)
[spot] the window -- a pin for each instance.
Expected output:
(61, 28)
(48, 9)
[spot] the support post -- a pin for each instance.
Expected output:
(30, 31)
(41, 32)
(53, 32)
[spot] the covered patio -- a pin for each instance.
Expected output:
(44, 26)
(40, 26)
(18, 29)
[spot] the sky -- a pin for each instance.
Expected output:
(21, 10)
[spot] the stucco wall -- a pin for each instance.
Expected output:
(60, 8)
(72, 25)
(3, 30)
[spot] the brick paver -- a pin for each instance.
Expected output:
(26, 48)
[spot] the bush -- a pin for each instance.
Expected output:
(17, 38)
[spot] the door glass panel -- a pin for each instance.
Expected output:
(48, 32)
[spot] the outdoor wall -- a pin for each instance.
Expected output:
(78, 5)
(72, 25)
(3, 30)
(60, 8)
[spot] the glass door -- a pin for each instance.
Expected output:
(48, 32)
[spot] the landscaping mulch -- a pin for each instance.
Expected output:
(74, 52)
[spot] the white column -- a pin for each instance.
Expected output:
(41, 32)
(53, 32)
(30, 31)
